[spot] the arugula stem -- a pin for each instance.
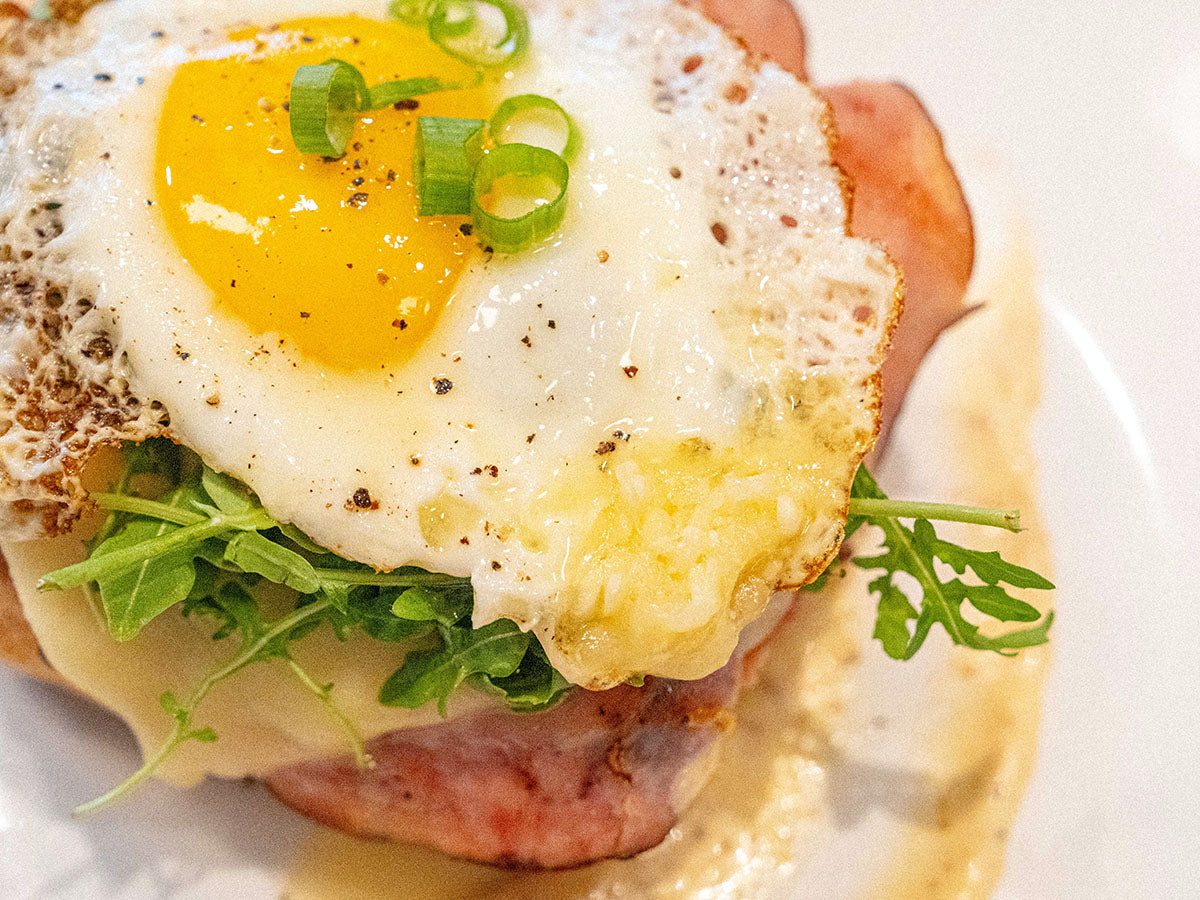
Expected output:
(361, 758)
(152, 509)
(182, 730)
(392, 579)
(119, 561)
(872, 508)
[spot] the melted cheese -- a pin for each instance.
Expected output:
(263, 717)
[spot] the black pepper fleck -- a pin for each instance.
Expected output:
(442, 385)
(102, 76)
(410, 103)
(362, 498)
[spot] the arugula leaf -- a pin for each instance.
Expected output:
(300, 539)
(496, 650)
(251, 552)
(371, 610)
(229, 494)
(232, 606)
(988, 566)
(914, 550)
(209, 547)
(420, 604)
(133, 597)
(535, 685)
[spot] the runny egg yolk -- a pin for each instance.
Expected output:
(330, 254)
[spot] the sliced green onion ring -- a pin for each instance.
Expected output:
(410, 12)
(324, 105)
(511, 235)
(388, 92)
(460, 17)
(475, 49)
(446, 153)
(515, 107)
(326, 101)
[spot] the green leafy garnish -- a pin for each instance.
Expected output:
(266, 644)
(205, 545)
(458, 28)
(495, 651)
(914, 550)
(202, 542)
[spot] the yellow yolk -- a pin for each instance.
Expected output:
(330, 254)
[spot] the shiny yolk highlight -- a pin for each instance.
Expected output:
(330, 254)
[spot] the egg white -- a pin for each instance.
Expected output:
(660, 332)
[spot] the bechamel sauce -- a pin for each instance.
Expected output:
(791, 783)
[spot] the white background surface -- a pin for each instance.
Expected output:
(1096, 108)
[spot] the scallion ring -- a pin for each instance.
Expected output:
(411, 12)
(511, 235)
(388, 92)
(446, 153)
(472, 45)
(510, 113)
(460, 17)
(324, 105)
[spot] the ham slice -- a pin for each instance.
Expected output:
(602, 775)
(606, 774)
(907, 197)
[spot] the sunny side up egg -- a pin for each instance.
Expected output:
(627, 436)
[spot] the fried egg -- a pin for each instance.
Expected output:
(628, 435)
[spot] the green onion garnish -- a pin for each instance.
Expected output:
(410, 12)
(457, 27)
(517, 114)
(388, 92)
(326, 101)
(473, 46)
(446, 153)
(524, 162)
(324, 105)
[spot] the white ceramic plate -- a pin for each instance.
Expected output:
(1096, 109)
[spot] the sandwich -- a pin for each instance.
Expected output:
(433, 410)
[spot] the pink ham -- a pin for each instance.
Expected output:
(607, 774)
(907, 197)
(604, 774)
